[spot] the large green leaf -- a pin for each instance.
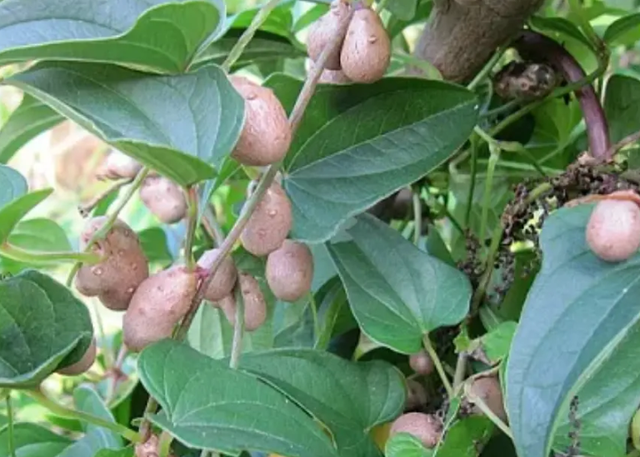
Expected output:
(13, 212)
(12, 185)
(397, 292)
(360, 143)
(607, 401)
(153, 35)
(181, 125)
(31, 118)
(40, 235)
(403, 9)
(465, 437)
(31, 440)
(560, 26)
(622, 106)
(96, 438)
(42, 327)
(578, 312)
(205, 404)
(623, 30)
(349, 398)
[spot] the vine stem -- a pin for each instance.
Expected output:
(482, 406)
(164, 444)
(417, 217)
(248, 34)
(626, 141)
(265, 182)
(238, 330)
(488, 187)
(11, 443)
(87, 208)
(135, 185)
(63, 411)
(192, 224)
(472, 184)
(438, 364)
(486, 70)
(25, 255)
(461, 370)
(211, 225)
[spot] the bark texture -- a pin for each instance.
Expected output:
(462, 35)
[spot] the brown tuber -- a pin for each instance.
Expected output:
(82, 365)
(366, 51)
(266, 135)
(487, 389)
(425, 427)
(157, 306)
(421, 363)
(255, 307)
(124, 265)
(613, 231)
(164, 199)
(225, 278)
(289, 271)
(118, 165)
(322, 32)
(269, 224)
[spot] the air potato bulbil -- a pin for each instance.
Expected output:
(123, 268)
(324, 30)
(425, 427)
(82, 365)
(613, 231)
(255, 307)
(157, 306)
(164, 199)
(487, 389)
(224, 279)
(269, 224)
(118, 165)
(289, 271)
(421, 363)
(266, 135)
(366, 51)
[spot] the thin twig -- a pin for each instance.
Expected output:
(211, 226)
(11, 442)
(63, 411)
(238, 330)
(192, 225)
(417, 217)
(461, 370)
(438, 364)
(86, 209)
(482, 406)
(626, 141)
(142, 174)
(248, 34)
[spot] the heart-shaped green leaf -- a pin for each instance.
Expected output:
(43, 327)
(405, 445)
(359, 143)
(623, 30)
(31, 440)
(207, 405)
(578, 312)
(31, 118)
(12, 185)
(40, 235)
(622, 106)
(95, 438)
(465, 437)
(560, 26)
(349, 398)
(158, 35)
(607, 402)
(179, 125)
(397, 292)
(13, 212)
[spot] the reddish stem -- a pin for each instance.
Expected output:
(534, 46)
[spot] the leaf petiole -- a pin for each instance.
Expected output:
(238, 330)
(27, 256)
(63, 411)
(438, 364)
(11, 443)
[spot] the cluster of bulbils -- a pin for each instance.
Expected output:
(428, 428)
